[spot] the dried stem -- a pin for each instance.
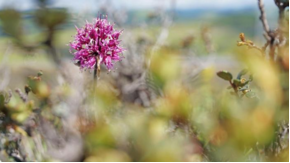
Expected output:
(263, 16)
(254, 47)
(269, 35)
(21, 95)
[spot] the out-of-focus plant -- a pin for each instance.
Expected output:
(46, 19)
(187, 41)
(202, 123)
(240, 85)
(270, 69)
(150, 112)
(206, 37)
(21, 118)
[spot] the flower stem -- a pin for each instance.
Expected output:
(95, 82)
(95, 71)
(97, 68)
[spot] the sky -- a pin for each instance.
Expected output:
(91, 5)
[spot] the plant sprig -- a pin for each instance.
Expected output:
(240, 85)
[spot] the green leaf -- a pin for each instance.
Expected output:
(251, 77)
(243, 72)
(51, 18)
(243, 84)
(225, 75)
(11, 22)
(237, 82)
(32, 84)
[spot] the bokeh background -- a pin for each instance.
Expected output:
(162, 102)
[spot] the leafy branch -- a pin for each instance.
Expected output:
(240, 85)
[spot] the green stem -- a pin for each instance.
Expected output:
(95, 82)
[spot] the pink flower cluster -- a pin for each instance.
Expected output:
(96, 43)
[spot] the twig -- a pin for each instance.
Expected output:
(263, 16)
(21, 95)
(269, 34)
(265, 46)
(255, 47)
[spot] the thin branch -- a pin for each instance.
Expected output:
(255, 47)
(263, 16)
(21, 95)
(265, 47)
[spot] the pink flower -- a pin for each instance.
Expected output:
(95, 43)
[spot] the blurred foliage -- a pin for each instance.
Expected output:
(184, 122)
(11, 20)
(22, 117)
(47, 19)
(239, 84)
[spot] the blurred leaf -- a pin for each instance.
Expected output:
(243, 72)
(43, 89)
(40, 73)
(101, 136)
(20, 117)
(50, 18)
(12, 103)
(240, 83)
(32, 84)
(251, 78)
(225, 75)
(11, 22)
(237, 82)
